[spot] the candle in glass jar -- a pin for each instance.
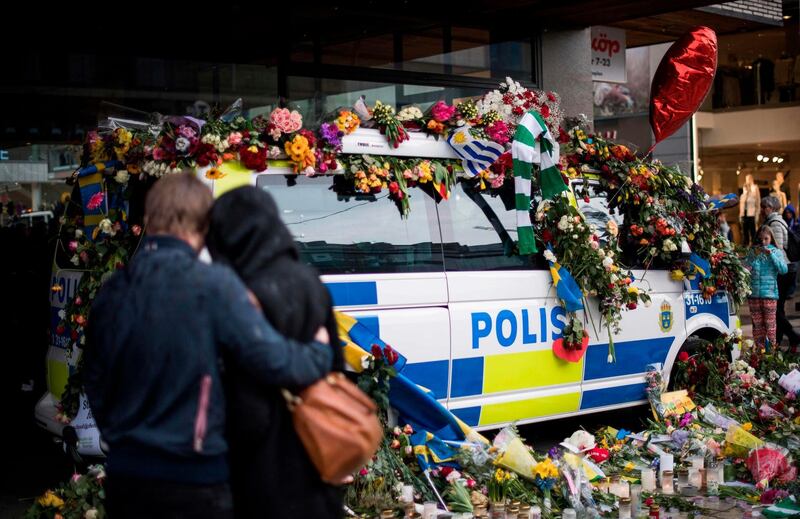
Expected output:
(625, 508)
(667, 462)
(695, 478)
(636, 499)
(667, 484)
(698, 462)
(648, 480)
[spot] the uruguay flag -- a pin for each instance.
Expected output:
(476, 155)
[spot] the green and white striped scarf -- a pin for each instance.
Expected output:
(533, 145)
(785, 508)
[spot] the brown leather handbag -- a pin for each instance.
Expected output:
(338, 425)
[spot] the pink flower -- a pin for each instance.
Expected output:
(76, 477)
(187, 131)
(441, 112)
(234, 138)
(95, 201)
(790, 396)
(159, 153)
(136, 230)
(498, 132)
(363, 472)
(286, 121)
(78, 301)
(497, 182)
(73, 246)
(84, 257)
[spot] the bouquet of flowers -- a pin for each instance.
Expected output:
(511, 101)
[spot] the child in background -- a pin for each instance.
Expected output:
(766, 262)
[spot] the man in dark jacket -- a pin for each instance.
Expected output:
(152, 374)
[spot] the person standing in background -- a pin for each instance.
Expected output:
(778, 193)
(787, 278)
(749, 208)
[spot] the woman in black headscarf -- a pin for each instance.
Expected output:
(271, 474)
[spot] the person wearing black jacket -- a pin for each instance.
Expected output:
(272, 476)
(155, 334)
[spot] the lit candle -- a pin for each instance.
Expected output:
(667, 463)
(648, 480)
(667, 484)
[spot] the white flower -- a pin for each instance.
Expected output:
(791, 411)
(83, 340)
(607, 262)
(106, 226)
(122, 176)
(609, 359)
(75, 260)
(653, 251)
(648, 303)
(90, 514)
(453, 476)
(182, 144)
(574, 236)
(274, 152)
(773, 376)
(738, 332)
(601, 253)
(78, 233)
(549, 256)
(563, 223)
(581, 440)
(62, 314)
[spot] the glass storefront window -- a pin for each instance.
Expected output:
(317, 97)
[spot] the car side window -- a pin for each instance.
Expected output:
(479, 229)
(339, 231)
(593, 203)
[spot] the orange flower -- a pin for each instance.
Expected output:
(435, 126)
(215, 174)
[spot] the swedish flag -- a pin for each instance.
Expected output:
(701, 266)
(90, 182)
(416, 405)
(567, 288)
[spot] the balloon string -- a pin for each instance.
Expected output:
(650, 150)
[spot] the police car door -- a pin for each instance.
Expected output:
(649, 335)
(503, 318)
(380, 268)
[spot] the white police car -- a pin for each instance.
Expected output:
(475, 324)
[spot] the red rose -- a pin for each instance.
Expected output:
(60, 330)
(377, 352)
(545, 111)
(683, 356)
(391, 356)
(394, 188)
(563, 137)
(254, 157)
(631, 306)
(586, 199)
(547, 236)
(74, 335)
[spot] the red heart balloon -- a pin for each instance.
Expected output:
(682, 81)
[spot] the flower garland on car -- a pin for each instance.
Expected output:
(667, 216)
(592, 264)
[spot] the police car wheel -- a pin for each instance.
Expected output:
(692, 345)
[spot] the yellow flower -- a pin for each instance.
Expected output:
(499, 475)
(677, 275)
(545, 469)
(633, 290)
(747, 427)
(51, 499)
(629, 466)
